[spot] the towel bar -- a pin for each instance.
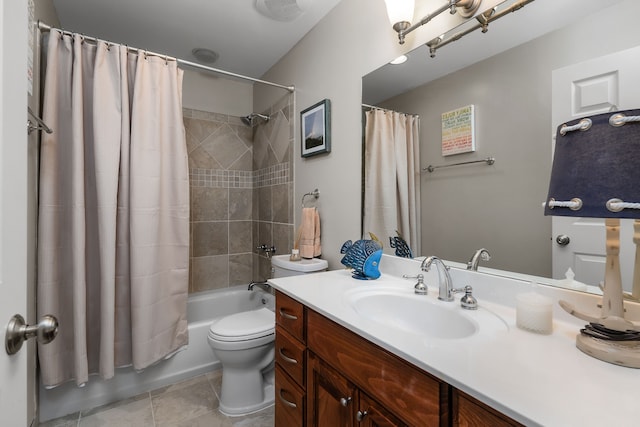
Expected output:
(315, 194)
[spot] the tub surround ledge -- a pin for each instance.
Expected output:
(534, 379)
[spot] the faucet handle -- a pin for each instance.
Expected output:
(468, 301)
(420, 288)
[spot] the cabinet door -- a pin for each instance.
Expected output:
(469, 412)
(330, 397)
(372, 414)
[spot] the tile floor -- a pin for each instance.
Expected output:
(192, 403)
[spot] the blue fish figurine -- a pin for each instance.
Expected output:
(363, 257)
(401, 246)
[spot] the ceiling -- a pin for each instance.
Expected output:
(247, 42)
(532, 21)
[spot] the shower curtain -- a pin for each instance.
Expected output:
(113, 232)
(392, 177)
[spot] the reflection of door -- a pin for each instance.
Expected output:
(13, 202)
(592, 87)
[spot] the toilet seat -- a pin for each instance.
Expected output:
(243, 326)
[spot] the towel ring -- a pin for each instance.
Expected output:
(315, 194)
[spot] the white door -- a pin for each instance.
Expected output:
(13, 205)
(592, 87)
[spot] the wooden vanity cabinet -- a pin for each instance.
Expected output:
(291, 358)
(470, 412)
(335, 401)
(328, 376)
(383, 384)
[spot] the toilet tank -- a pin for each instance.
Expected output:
(281, 266)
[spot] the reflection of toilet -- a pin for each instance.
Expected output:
(244, 343)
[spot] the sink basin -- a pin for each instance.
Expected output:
(422, 315)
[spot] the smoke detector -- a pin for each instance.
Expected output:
(282, 10)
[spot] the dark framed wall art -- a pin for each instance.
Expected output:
(315, 123)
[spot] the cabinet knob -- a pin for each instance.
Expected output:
(360, 415)
(344, 401)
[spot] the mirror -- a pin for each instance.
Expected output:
(506, 74)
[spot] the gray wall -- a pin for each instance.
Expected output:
(240, 186)
(329, 62)
(499, 207)
(348, 44)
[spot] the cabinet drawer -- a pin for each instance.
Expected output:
(290, 315)
(290, 355)
(290, 400)
(413, 395)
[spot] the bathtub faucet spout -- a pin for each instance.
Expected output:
(264, 285)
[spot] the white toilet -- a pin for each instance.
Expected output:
(244, 344)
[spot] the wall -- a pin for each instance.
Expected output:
(240, 183)
(210, 92)
(220, 171)
(329, 62)
(512, 95)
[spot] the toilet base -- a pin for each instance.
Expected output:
(261, 386)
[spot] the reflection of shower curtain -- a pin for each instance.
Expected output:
(113, 242)
(392, 177)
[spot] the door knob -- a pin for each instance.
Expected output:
(18, 331)
(563, 239)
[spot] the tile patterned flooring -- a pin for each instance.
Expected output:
(192, 403)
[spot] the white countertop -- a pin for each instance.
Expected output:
(535, 379)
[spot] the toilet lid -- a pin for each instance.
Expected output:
(243, 326)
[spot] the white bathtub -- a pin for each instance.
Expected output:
(197, 359)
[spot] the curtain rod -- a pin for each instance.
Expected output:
(44, 27)
(374, 107)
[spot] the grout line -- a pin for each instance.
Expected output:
(153, 415)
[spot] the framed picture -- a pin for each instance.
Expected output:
(458, 131)
(316, 129)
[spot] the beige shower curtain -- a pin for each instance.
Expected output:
(392, 177)
(113, 233)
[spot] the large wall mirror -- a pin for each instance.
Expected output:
(506, 74)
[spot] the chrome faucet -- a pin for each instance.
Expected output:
(445, 284)
(264, 285)
(475, 259)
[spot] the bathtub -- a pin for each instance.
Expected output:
(197, 359)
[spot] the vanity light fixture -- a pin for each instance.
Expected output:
(595, 174)
(401, 13)
(483, 21)
(399, 60)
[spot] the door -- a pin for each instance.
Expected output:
(330, 397)
(14, 400)
(372, 414)
(592, 87)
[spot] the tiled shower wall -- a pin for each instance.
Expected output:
(241, 186)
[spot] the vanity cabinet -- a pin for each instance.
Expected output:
(469, 412)
(290, 358)
(346, 367)
(328, 376)
(335, 401)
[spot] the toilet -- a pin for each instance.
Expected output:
(244, 344)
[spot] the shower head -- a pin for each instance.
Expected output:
(250, 119)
